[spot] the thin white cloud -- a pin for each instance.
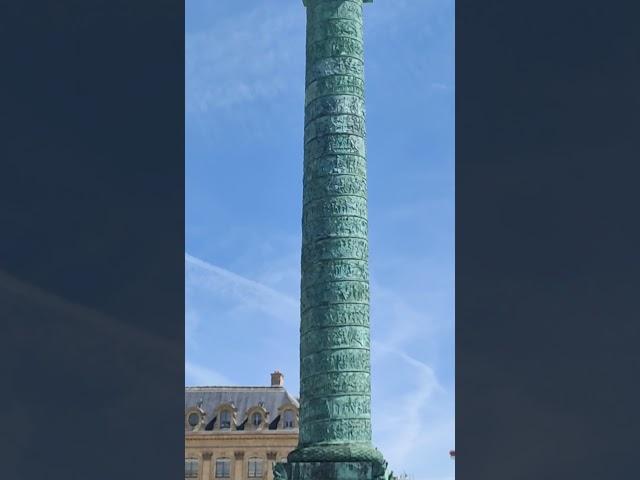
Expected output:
(394, 319)
(259, 54)
(410, 408)
(199, 375)
(225, 310)
(243, 291)
(440, 86)
(245, 57)
(417, 401)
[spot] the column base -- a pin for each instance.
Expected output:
(333, 462)
(330, 471)
(347, 452)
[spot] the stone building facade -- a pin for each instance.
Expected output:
(238, 433)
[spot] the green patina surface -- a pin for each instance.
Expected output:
(335, 386)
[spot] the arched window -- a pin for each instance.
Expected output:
(255, 467)
(288, 419)
(256, 419)
(190, 468)
(223, 468)
(225, 420)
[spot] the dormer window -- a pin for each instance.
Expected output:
(194, 419)
(256, 419)
(225, 420)
(288, 419)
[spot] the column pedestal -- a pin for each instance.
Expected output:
(330, 471)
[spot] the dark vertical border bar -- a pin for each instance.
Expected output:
(547, 257)
(92, 242)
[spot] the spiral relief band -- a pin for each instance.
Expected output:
(335, 385)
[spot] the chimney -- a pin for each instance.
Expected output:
(277, 379)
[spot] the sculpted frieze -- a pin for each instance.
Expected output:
(321, 126)
(335, 165)
(334, 185)
(333, 291)
(334, 9)
(336, 408)
(336, 85)
(335, 315)
(335, 341)
(337, 270)
(335, 206)
(327, 339)
(335, 66)
(335, 383)
(334, 144)
(335, 105)
(335, 360)
(335, 248)
(335, 47)
(348, 430)
(334, 27)
(333, 227)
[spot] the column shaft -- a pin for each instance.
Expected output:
(335, 385)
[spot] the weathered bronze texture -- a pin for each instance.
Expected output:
(335, 384)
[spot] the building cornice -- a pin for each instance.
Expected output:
(257, 434)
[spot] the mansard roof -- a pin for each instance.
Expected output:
(243, 399)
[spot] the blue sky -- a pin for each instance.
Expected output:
(244, 117)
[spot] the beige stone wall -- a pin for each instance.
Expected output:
(239, 447)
